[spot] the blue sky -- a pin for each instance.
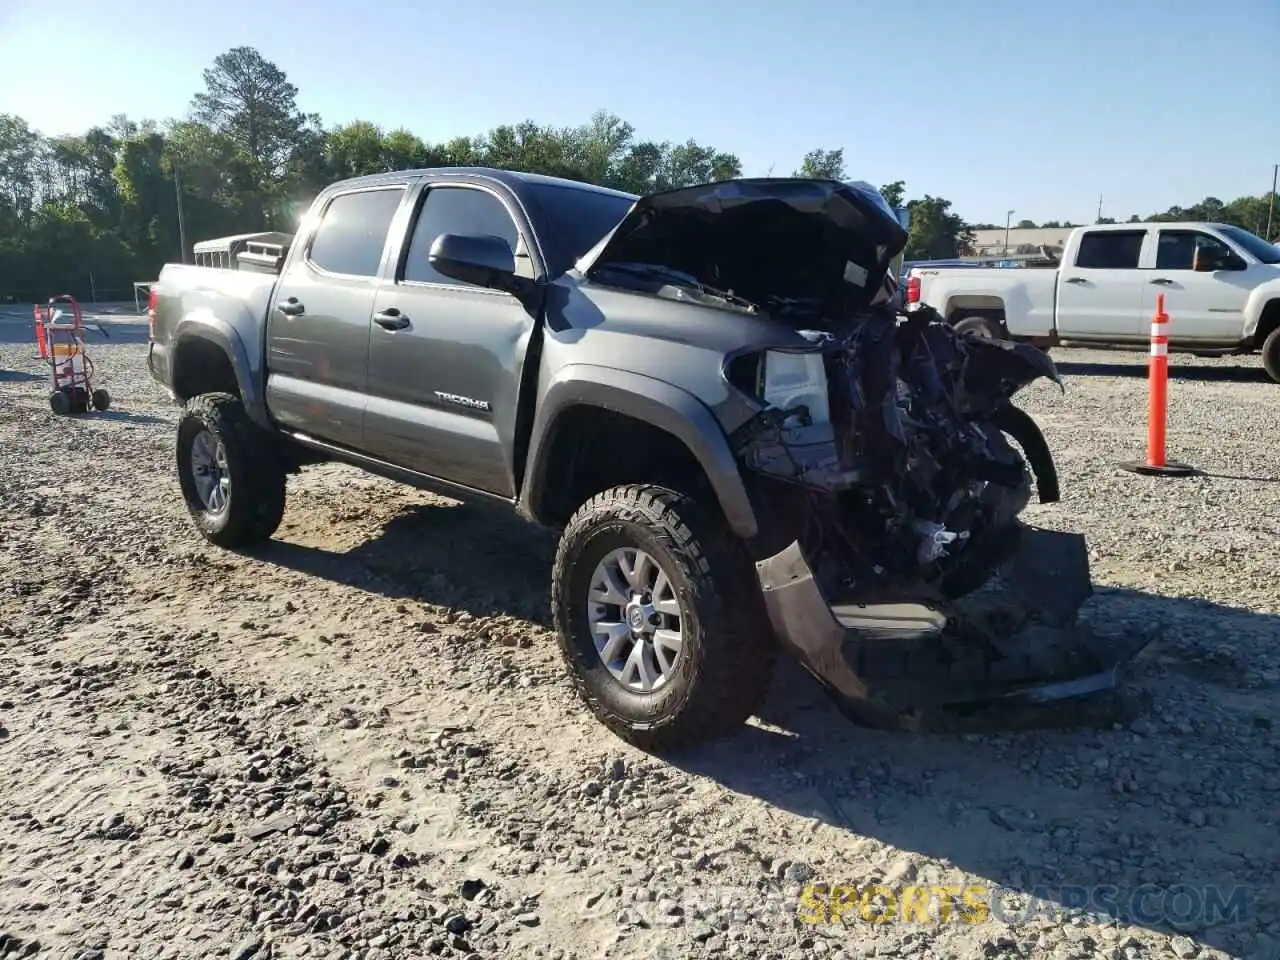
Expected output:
(994, 104)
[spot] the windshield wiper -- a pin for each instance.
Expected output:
(678, 278)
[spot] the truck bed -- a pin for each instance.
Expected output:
(1027, 295)
(225, 299)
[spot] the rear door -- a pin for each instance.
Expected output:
(444, 372)
(318, 324)
(1100, 295)
(1202, 306)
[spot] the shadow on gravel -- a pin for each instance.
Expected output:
(117, 332)
(124, 416)
(1233, 476)
(471, 556)
(20, 376)
(1182, 784)
(1213, 374)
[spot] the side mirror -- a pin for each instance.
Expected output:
(486, 261)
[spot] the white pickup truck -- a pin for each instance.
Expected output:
(1221, 287)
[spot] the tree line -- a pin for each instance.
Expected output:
(1248, 213)
(89, 215)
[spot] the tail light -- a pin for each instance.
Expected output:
(913, 290)
(151, 313)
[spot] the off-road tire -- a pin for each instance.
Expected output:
(728, 648)
(257, 500)
(979, 326)
(1271, 355)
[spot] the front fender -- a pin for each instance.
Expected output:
(1257, 304)
(223, 335)
(656, 402)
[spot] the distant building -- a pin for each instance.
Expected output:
(992, 242)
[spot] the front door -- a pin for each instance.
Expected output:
(1206, 307)
(318, 322)
(445, 357)
(1100, 294)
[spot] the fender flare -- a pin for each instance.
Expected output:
(656, 402)
(1256, 306)
(224, 336)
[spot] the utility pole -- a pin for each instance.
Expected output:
(1007, 218)
(182, 228)
(1271, 201)
(1099, 208)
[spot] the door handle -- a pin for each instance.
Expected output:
(1162, 281)
(1076, 280)
(391, 319)
(291, 307)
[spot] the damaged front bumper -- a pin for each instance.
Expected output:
(916, 661)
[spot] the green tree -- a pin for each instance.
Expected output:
(894, 193)
(935, 233)
(249, 99)
(822, 165)
(691, 163)
(20, 148)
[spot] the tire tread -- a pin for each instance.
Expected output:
(257, 476)
(735, 655)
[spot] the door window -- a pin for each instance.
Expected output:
(464, 210)
(351, 235)
(1177, 248)
(1110, 249)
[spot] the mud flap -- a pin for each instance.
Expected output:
(914, 661)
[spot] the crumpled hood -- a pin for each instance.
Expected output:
(766, 239)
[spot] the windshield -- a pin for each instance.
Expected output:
(1254, 245)
(578, 217)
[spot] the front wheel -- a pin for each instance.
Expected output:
(659, 618)
(231, 478)
(1271, 355)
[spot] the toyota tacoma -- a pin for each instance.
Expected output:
(707, 392)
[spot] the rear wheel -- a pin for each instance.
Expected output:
(1271, 355)
(985, 328)
(101, 399)
(231, 478)
(658, 618)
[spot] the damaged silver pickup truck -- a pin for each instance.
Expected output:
(706, 391)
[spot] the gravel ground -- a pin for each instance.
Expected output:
(360, 742)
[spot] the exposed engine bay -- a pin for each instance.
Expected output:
(910, 588)
(894, 429)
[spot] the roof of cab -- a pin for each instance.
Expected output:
(513, 179)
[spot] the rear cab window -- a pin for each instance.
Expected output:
(1110, 249)
(353, 232)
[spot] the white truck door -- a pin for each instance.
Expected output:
(1203, 306)
(1100, 294)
